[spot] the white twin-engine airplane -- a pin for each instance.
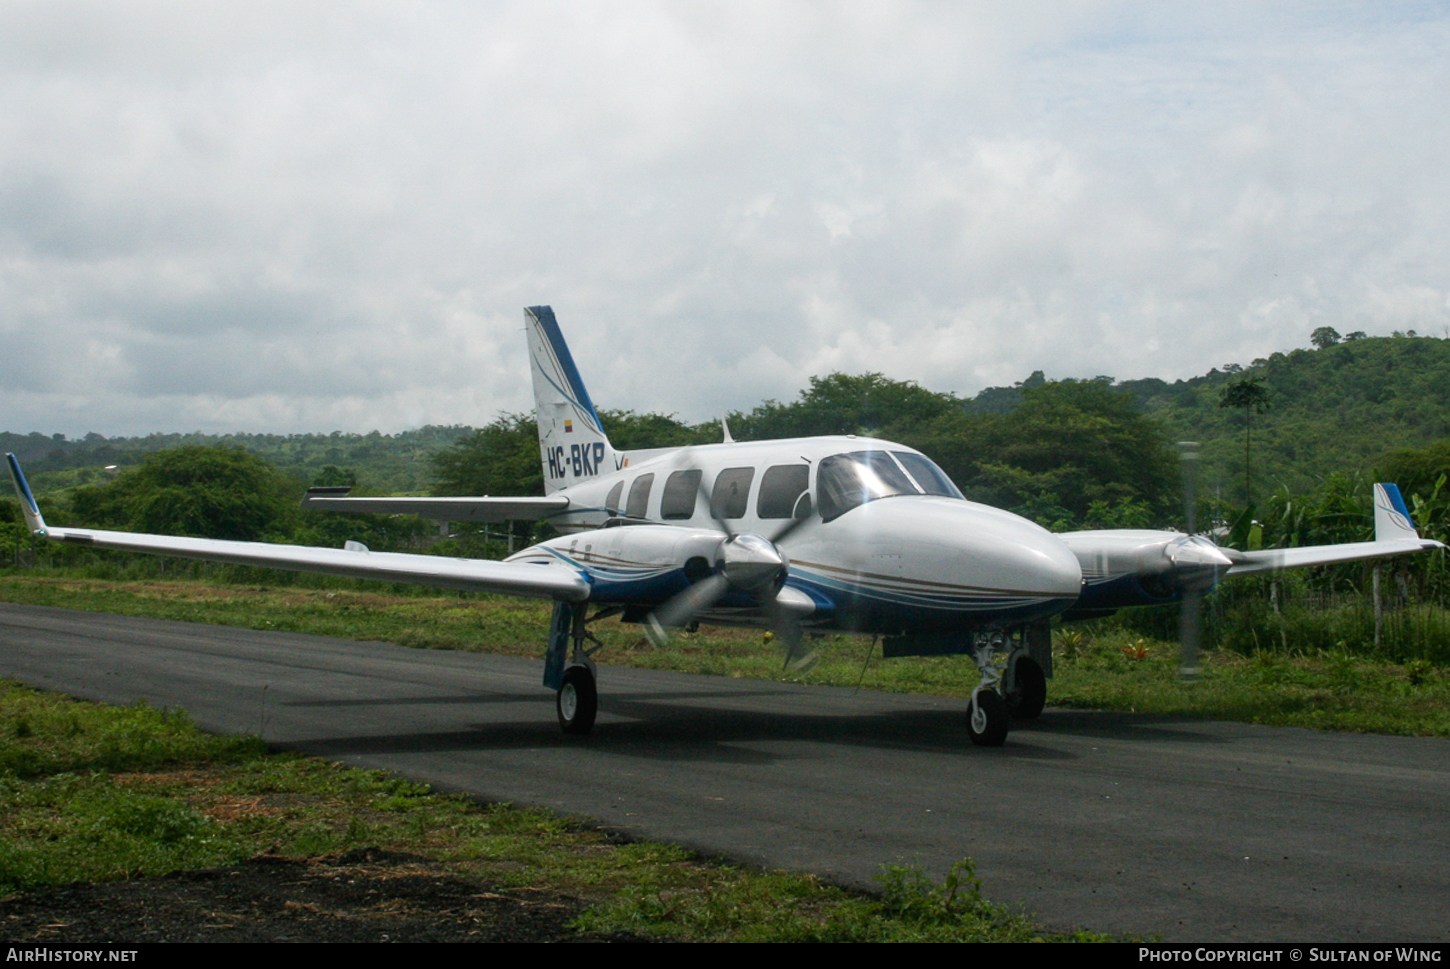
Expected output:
(795, 535)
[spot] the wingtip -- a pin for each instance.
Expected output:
(33, 519)
(1392, 518)
(309, 500)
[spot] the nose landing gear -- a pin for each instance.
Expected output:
(987, 718)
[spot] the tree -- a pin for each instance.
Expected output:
(206, 492)
(1076, 450)
(1324, 336)
(1250, 396)
(839, 403)
(501, 458)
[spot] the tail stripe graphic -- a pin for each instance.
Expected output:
(562, 362)
(572, 442)
(1391, 518)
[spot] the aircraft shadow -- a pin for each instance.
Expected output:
(671, 728)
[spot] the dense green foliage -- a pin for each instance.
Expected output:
(386, 463)
(1069, 453)
(1339, 408)
(199, 491)
(205, 492)
(1073, 454)
(841, 404)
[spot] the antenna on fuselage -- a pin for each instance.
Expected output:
(725, 427)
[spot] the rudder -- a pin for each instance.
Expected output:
(572, 442)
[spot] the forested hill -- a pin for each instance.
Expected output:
(1067, 453)
(383, 462)
(1340, 408)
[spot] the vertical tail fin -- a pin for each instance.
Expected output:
(1391, 518)
(572, 441)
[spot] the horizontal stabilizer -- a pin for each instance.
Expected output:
(483, 509)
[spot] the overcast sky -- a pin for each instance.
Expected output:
(310, 216)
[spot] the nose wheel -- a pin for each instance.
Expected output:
(577, 701)
(987, 719)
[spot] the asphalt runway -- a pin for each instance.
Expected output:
(1124, 823)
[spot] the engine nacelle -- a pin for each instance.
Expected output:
(640, 564)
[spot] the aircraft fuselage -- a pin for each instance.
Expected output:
(888, 545)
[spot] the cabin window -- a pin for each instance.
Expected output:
(731, 494)
(611, 504)
(780, 488)
(677, 502)
(848, 480)
(638, 506)
(929, 478)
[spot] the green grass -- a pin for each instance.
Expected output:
(1323, 690)
(1317, 688)
(92, 792)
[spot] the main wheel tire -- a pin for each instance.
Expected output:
(987, 719)
(577, 701)
(1029, 690)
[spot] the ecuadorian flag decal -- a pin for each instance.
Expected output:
(568, 426)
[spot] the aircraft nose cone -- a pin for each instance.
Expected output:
(986, 550)
(1039, 560)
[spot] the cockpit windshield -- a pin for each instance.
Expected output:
(848, 480)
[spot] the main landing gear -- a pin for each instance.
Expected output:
(1014, 662)
(1027, 694)
(569, 668)
(578, 700)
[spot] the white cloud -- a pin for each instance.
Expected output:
(273, 217)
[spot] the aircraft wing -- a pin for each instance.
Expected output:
(1270, 559)
(484, 509)
(1394, 534)
(543, 581)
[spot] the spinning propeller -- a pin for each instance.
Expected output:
(744, 562)
(1196, 565)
